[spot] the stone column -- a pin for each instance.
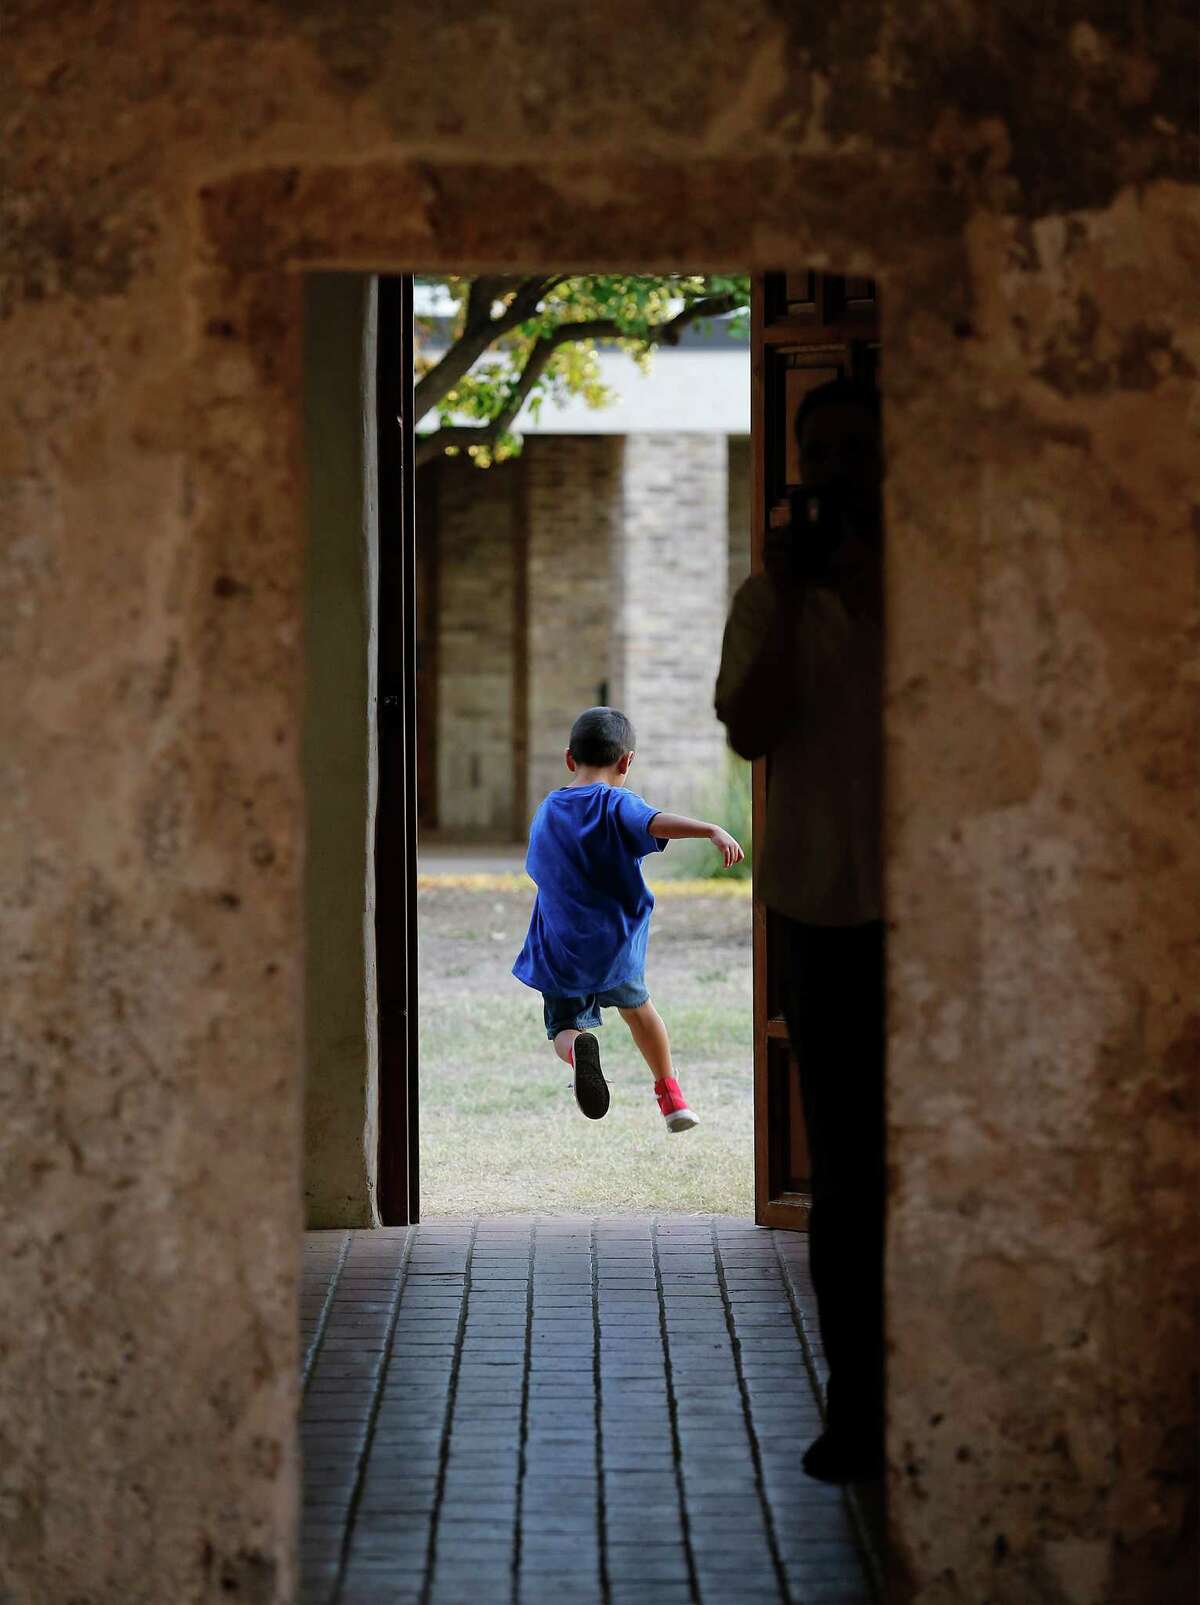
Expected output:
(572, 506)
(1043, 874)
(670, 588)
(475, 648)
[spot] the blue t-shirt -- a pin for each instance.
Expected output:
(591, 915)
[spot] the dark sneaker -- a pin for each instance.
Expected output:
(591, 1089)
(833, 1458)
(672, 1105)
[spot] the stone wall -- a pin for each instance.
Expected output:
(1044, 863)
(741, 505)
(612, 540)
(670, 581)
(476, 624)
(1024, 183)
(572, 512)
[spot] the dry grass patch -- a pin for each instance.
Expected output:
(499, 1127)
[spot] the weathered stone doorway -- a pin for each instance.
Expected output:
(773, 1354)
(765, 213)
(1026, 180)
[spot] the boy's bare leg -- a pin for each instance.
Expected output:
(650, 1035)
(563, 1044)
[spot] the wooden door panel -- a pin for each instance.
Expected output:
(396, 797)
(806, 328)
(799, 299)
(798, 378)
(427, 646)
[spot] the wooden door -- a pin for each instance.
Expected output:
(396, 800)
(427, 484)
(807, 328)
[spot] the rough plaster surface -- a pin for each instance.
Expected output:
(1023, 181)
(1045, 1028)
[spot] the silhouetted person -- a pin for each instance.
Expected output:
(800, 683)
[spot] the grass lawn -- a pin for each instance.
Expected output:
(500, 1131)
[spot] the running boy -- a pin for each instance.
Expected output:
(586, 947)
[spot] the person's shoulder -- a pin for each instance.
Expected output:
(755, 586)
(754, 590)
(558, 798)
(632, 808)
(625, 797)
(548, 808)
(755, 600)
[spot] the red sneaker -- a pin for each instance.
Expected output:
(673, 1105)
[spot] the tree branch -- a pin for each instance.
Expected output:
(668, 333)
(431, 446)
(707, 306)
(480, 297)
(441, 379)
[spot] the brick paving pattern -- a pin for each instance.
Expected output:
(565, 1409)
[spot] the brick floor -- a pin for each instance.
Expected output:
(565, 1409)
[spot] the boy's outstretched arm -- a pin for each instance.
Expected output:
(677, 827)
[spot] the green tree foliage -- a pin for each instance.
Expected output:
(534, 339)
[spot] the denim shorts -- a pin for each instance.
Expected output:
(583, 1014)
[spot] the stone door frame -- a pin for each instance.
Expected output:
(263, 230)
(990, 519)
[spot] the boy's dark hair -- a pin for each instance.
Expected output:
(851, 392)
(600, 737)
